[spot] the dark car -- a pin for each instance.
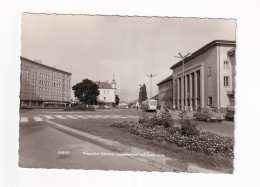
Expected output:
(230, 113)
(209, 114)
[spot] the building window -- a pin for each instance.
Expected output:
(225, 64)
(226, 81)
(209, 101)
(209, 71)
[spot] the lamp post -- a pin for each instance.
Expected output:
(151, 76)
(182, 57)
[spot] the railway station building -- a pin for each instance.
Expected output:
(206, 77)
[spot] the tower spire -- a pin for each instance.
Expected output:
(113, 83)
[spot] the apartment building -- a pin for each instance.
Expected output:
(42, 85)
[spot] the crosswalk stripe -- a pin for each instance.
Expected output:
(104, 116)
(92, 116)
(80, 116)
(37, 119)
(114, 116)
(132, 116)
(23, 119)
(49, 117)
(71, 117)
(61, 117)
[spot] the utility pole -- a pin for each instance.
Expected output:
(151, 76)
(182, 57)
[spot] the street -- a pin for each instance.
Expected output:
(42, 146)
(29, 117)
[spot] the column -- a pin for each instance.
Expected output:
(186, 91)
(190, 92)
(182, 92)
(178, 93)
(195, 90)
(202, 86)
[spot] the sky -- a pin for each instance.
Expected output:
(129, 48)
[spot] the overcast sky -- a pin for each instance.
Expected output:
(96, 47)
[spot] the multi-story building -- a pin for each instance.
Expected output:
(209, 77)
(107, 91)
(42, 85)
(165, 92)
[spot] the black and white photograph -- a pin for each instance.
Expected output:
(127, 93)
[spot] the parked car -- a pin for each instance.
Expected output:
(209, 114)
(230, 113)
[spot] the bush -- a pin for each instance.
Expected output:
(163, 119)
(188, 129)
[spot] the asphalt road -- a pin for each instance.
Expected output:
(225, 128)
(41, 146)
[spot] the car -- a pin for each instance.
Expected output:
(209, 114)
(107, 107)
(230, 113)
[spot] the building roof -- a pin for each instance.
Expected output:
(43, 65)
(103, 85)
(165, 80)
(204, 49)
(232, 52)
(155, 97)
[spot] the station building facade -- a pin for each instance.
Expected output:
(42, 85)
(165, 92)
(209, 77)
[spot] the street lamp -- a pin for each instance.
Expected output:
(182, 57)
(151, 76)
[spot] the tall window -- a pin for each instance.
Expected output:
(209, 101)
(209, 71)
(226, 81)
(225, 64)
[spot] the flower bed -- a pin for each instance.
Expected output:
(187, 137)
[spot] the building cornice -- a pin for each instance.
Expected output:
(168, 79)
(204, 49)
(43, 65)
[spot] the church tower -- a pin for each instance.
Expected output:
(113, 83)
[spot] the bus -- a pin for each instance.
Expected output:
(149, 105)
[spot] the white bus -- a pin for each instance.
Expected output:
(149, 105)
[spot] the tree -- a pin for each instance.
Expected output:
(142, 93)
(86, 92)
(117, 100)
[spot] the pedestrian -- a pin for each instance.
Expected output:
(174, 107)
